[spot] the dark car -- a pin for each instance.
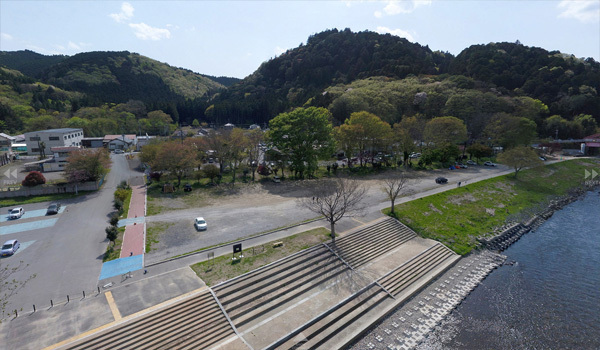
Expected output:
(53, 209)
(187, 188)
(441, 180)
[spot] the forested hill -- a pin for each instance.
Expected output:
(567, 85)
(28, 62)
(328, 58)
(114, 76)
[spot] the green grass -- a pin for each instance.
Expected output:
(15, 201)
(223, 268)
(114, 251)
(457, 217)
(126, 204)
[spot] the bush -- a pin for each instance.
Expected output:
(155, 176)
(114, 219)
(111, 233)
(124, 185)
(34, 178)
(118, 205)
(121, 194)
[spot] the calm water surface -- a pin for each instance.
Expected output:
(550, 298)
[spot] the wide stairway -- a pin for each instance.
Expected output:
(367, 301)
(258, 293)
(368, 243)
(195, 323)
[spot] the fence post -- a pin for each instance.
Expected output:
(33, 307)
(84, 294)
(67, 298)
(51, 303)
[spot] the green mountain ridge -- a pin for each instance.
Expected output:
(343, 71)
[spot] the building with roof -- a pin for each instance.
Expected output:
(114, 142)
(59, 158)
(40, 142)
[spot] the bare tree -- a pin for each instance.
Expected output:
(392, 186)
(335, 199)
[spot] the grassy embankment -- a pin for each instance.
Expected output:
(223, 268)
(18, 201)
(457, 217)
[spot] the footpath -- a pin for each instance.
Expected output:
(133, 245)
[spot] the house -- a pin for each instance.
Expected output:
(123, 142)
(254, 127)
(59, 158)
(228, 126)
(92, 142)
(591, 144)
(143, 141)
(40, 142)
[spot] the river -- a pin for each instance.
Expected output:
(548, 299)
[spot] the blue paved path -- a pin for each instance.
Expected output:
(29, 214)
(131, 221)
(27, 226)
(120, 266)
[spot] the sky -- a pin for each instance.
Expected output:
(232, 38)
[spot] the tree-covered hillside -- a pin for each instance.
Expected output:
(28, 62)
(328, 58)
(567, 85)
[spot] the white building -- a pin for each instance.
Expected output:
(59, 160)
(46, 139)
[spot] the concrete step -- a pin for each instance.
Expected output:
(326, 325)
(196, 320)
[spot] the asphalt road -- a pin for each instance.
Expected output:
(65, 258)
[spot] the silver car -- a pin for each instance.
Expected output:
(200, 224)
(10, 247)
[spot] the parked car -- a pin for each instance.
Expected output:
(119, 151)
(441, 180)
(543, 158)
(15, 213)
(10, 247)
(488, 163)
(276, 179)
(53, 209)
(187, 188)
(200, 224)
(463, 166)
(471, 162)
(414, 155)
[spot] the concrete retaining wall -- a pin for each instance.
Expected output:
(48, 189)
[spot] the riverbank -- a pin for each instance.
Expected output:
(460, 216)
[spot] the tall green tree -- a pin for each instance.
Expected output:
(519, 158)
(304, 134)
(367, 131)
(442, 131)
(175, 158)
(510, 131)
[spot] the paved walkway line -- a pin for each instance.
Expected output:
(133, 240)
(113, 307)
(125, 319)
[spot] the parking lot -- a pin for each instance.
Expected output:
(63, 251)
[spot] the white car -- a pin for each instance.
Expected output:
(471, 162)
(200, 224)
(15, 213)
(488, 163)
(10, 247)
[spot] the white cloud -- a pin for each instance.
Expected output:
(73, 46)
(125, 14)
(146, 32)
(6, 36)
(581, 10)
(395, 7)
(397, 32)
(279, 50)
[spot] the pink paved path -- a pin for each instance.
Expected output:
(133, 239)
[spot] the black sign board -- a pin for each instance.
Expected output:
(237, 248)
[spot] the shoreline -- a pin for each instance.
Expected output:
(411, 323)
